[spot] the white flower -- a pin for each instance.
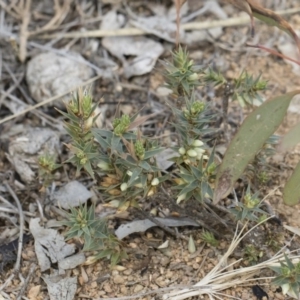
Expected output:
(129, 173)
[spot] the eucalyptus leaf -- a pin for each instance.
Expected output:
(290, 139)
(291, 191)
(255, 130)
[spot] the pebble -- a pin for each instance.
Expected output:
(107, 288)
(127, 272)
(138, 288)
(118, 279)
(164, 261)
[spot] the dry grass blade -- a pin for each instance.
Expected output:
(217, 280)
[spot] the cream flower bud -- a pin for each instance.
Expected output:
(193, 77)
(182, 151)
(129, 173)
(197, 143)
(199, 156)
(123, 186)
(199, 150)
(192, 153)
(103, 165)
(89, 123)
(155, 182)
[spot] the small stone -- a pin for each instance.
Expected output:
(124, 290)
(164, 261)
(133, 245)
(170, 274)
(34, 292)
(138, 288)
(127, 272)
(94, 285)
(118, 279)
(107, 288)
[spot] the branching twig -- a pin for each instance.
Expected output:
(23, 289)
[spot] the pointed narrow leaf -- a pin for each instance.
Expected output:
(135, 173)
(153, 152)
(190, 187)
(115, 142)
(291, 191)
(255, 130)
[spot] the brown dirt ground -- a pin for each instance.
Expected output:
(147, 267)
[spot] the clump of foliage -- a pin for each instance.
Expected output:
(249, 208)
(252, 254)
(93, 233)
(124, 162)
(209, 238)
(288, 277)
(258, 171)
(47, 166)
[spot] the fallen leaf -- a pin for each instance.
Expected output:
(290, 139)
(142, 225)
(291, 191)
(61, 288)
(72, 194)
(253, 133)
(50, 246)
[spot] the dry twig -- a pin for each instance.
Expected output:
(26, 16)
(136, 31)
